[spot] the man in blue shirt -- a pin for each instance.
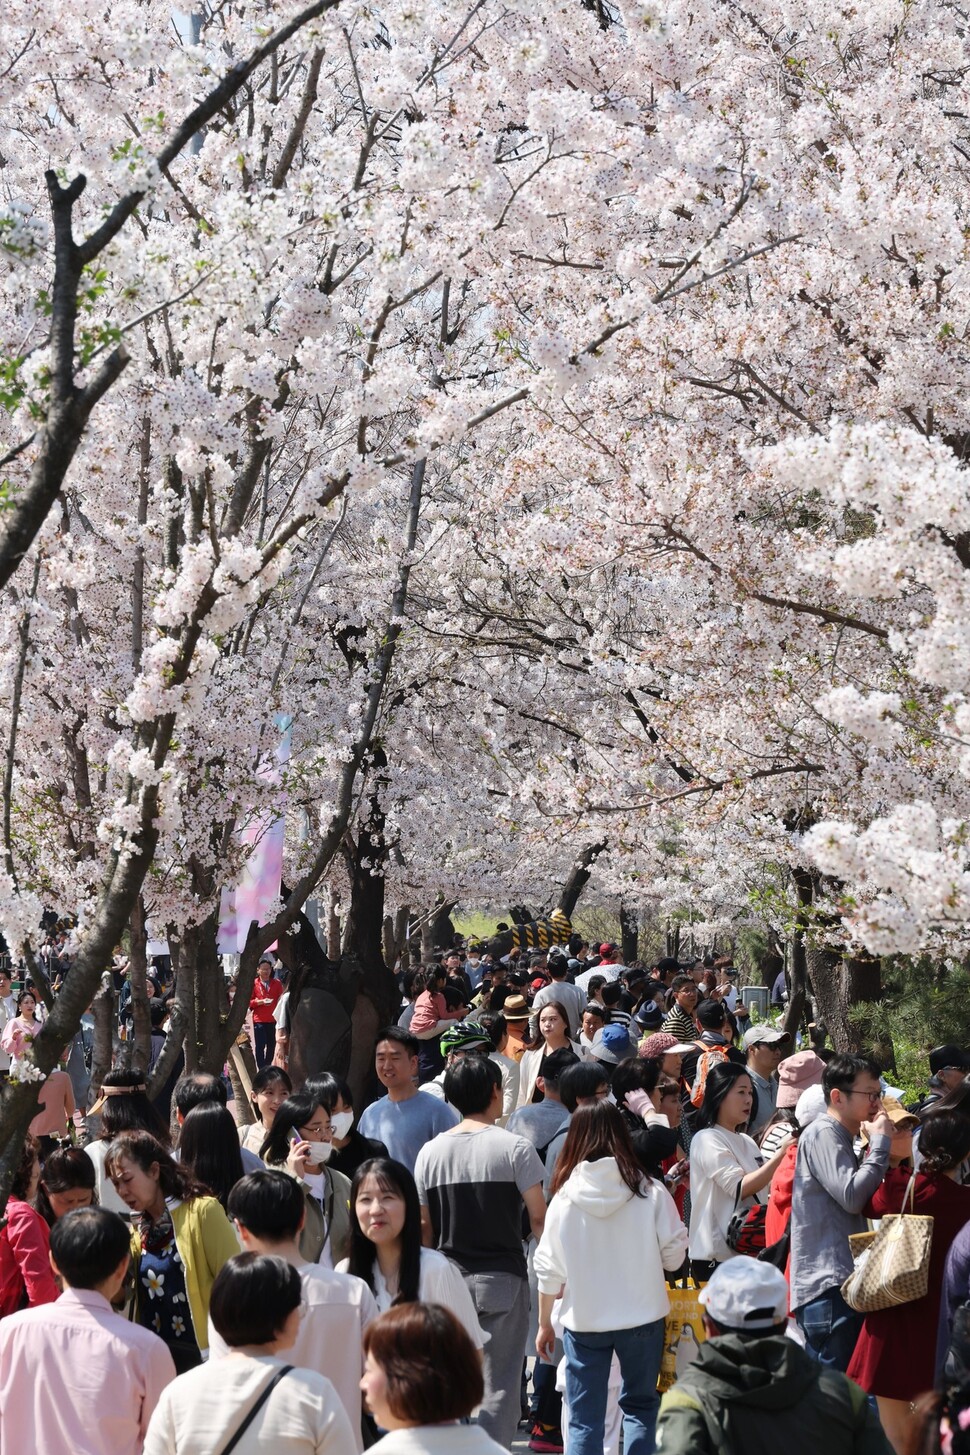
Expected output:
(405, 1118)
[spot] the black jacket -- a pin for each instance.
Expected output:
(763, 1397)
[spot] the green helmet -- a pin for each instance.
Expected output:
(465, 1036)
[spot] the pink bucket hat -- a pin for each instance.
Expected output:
(796, 1074)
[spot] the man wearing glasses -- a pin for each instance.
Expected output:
(830, 1191)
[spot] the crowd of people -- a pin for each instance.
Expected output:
(487, 1251)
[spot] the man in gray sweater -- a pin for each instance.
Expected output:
(830, 1191)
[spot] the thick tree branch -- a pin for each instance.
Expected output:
(70, 407)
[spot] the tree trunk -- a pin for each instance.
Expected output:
(396, 936)
(864, 977)
(830, 988)
(103, 1011)
(141, 1044)
(322, 997)
(437, 930)
(244, 1110)
(838, 983)
(209, 1037)
(579, 877)
(629, 935)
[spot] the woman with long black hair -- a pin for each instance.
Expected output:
(726, 1170)
(386, 1251)
(209, 1149)
(124, 1107)
(300, 1142)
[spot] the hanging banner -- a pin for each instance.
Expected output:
(256, 895)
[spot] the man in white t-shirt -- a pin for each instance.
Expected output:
(267, 1210)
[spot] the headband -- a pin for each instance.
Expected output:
(107, 1091)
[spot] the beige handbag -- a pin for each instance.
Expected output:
(895, 1267)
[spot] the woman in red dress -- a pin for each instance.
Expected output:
(895, 1356)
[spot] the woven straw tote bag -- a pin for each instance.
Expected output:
(895, 1268)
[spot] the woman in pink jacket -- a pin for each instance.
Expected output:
(25, 1266)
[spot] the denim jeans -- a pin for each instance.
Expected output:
(588, 1359)
(502, 1303)
(264, 1037)
(830, 1327)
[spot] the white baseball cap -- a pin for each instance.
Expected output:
(746, 1294)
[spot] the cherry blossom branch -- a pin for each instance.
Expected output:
(70, 407)
(783, 603)
(259, 936)
(708, 785)
(231, 83)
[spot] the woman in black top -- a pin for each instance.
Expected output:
(350, 1149)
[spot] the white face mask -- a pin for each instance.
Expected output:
(341, 1122)
(319, 1152)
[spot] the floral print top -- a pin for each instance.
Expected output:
(163, 1304)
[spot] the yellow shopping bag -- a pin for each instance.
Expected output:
(683, 1334)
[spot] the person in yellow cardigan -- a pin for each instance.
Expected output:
(180, 1238)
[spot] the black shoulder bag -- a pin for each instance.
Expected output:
(255, 1409)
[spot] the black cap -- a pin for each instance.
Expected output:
(943, 1056)
(710, 1014)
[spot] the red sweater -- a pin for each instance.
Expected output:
(778, 1215)
(25, 1264)
(271, 990)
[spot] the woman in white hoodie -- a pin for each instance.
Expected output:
(605, 1219)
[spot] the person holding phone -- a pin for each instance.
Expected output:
(300, 1142)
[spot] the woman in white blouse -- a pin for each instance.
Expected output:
(726, 1170)
(386, 1251)
(553, 1036)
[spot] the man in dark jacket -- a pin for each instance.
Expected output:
(752, 1391)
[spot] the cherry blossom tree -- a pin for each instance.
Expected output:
(557, 416)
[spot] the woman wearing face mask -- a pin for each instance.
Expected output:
(301, 1143)
(350, 1147)
(386, 1251)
